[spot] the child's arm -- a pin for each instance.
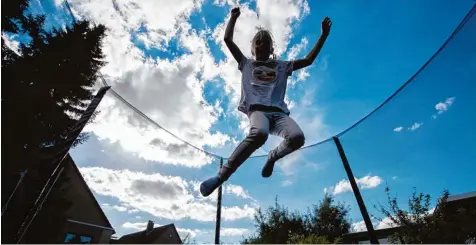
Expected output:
(309, 59)
(235, 51)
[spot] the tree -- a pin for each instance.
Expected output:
(188, 240)
(326, 223)
(329, 220)
(277, 224)
(43, 93)
(419, 225)
(12, 14)
(48, 87)
(312, 239)
(44, 103)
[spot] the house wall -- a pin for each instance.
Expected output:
(84, 206)
(96, 234)
(381, 241)
(85, 217)
(105, 236)
(168, 237)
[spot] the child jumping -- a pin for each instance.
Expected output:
(263, 87)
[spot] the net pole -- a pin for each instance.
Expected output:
(355, 189)
(217, 228)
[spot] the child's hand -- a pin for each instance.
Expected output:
(235, 12)
(326, 26)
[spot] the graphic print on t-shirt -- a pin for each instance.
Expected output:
(265, 71)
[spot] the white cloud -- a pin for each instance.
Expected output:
(11, 43)
(286, 183)
(115, 207)
(394, 177)
(303, 74)
(233, 232)
(168, 91)
(140, 226)
(191, 233)
(366, 182)
(398, 129)
(358, 226)
(162, 196)
(415, 126)
(341, 187)
(171, 91)
(296, 49)
(236, 190)
(443, 106)
(385, 223)
(222, 3)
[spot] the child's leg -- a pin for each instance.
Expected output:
(257, 136)
(285, 127)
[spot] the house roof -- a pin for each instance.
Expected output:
(142, 238)
(363, 235)
(70, 161)
(462, 196)
(381, 233)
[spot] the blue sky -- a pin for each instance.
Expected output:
(170, 62)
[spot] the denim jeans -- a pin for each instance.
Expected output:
(262, 124)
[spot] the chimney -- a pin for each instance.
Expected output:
(150, 227)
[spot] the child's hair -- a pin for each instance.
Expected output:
(262, 31)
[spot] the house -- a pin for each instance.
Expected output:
(454, 202)
(363, 237)
(166, 234)
(86, 221)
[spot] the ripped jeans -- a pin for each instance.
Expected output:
(264, 123)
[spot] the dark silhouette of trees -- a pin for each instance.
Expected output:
(324, 223)
(446, 224)
(12, 14)
(44, 91)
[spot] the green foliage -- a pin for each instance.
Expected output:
(277, 225)
(447, 224)
(50, 84)
(12, 14)
(44, 91)
(312, 239)
(329, 219)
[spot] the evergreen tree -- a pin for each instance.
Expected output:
(48, 87)
(12, 14)
(44, 91)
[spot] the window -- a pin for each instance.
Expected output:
(77, 239)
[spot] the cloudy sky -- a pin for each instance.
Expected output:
(168, 59)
